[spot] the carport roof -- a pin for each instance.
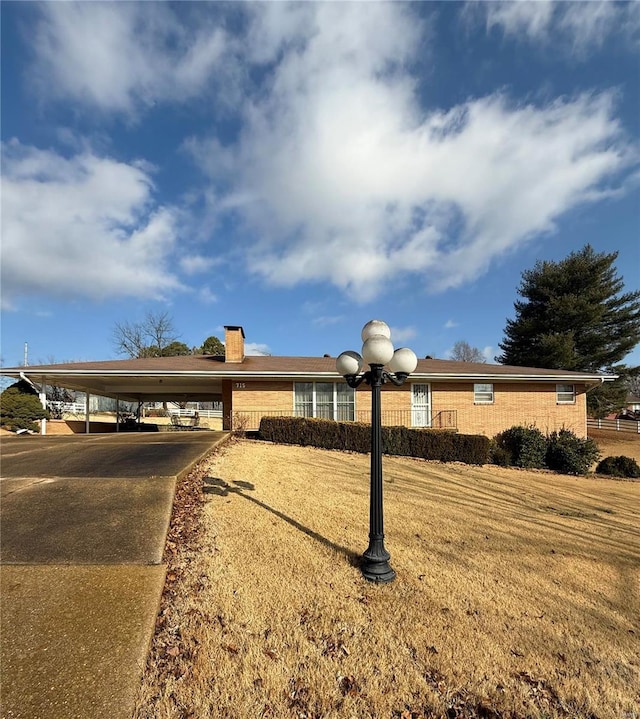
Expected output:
(200, 376)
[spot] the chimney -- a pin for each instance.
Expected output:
(233, 344)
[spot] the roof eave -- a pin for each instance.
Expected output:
(237, 373)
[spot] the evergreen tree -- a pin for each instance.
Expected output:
(212, 346)
(574, 315)
(175, 349)
(20, 407)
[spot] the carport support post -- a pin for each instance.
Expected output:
(87, 421)
(42, 396)
(117, 413)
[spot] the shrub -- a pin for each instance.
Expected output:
(520, 447)
(356, 437)
(19, 408)
(619, 466)
(499, 455)
(569, 454)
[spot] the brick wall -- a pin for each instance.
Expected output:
(526, 404)
(531, 403)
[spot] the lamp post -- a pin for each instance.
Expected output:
(377, 352)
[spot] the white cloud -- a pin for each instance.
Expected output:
(123, 56)
(449, 324)
(338, 174)
(343, 177)
(82, 226)
(402, 334)
(574, 26)
(531, 18)
(256, 349)
(207, 296)
(196, 264)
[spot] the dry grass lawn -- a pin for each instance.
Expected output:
(518, 594)
(612, 443)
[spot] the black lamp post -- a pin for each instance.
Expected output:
(377, 352)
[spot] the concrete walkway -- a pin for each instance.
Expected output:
(83, 521)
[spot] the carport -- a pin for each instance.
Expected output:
(155, 379)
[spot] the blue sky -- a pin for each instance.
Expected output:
(301, 168)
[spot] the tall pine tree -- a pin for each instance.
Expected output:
(574, 315)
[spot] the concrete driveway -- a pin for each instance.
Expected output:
(83, 521)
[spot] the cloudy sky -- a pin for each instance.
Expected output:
(301, 168)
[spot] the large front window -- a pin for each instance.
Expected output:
(326, 400)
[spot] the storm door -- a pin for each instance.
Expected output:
(420, 405)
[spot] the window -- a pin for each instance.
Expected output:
(483, 393)
(303, 402)
(324, 400)
(565, 394)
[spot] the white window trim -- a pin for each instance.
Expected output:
(564, 392)
(483, 401)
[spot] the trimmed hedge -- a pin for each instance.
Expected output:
(356, 437)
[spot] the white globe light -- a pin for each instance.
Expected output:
(377, 349)
(375, 327)
(404, 361)
(348, 363)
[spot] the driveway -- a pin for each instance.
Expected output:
(83, 521)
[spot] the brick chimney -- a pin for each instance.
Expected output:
(233, 344)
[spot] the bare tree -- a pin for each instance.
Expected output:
(144, 339)
(633, 383)
(159, 328)
(463, 352)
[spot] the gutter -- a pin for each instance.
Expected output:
(595, 385)
(24, 377)
(235, 375)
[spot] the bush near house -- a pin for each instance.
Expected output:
(569, 454)
(356, 437)
(619, 466)
(527, 447)
(20, 407)
(519, 447)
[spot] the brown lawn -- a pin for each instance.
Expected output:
(518, 594)
(612, 443)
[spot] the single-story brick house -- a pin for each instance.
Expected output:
(442, 394)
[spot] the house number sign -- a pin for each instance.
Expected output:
(240, 385)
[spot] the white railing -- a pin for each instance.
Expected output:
(618, 425)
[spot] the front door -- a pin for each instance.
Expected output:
(420, 405)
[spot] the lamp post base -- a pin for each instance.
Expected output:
(375, 565)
